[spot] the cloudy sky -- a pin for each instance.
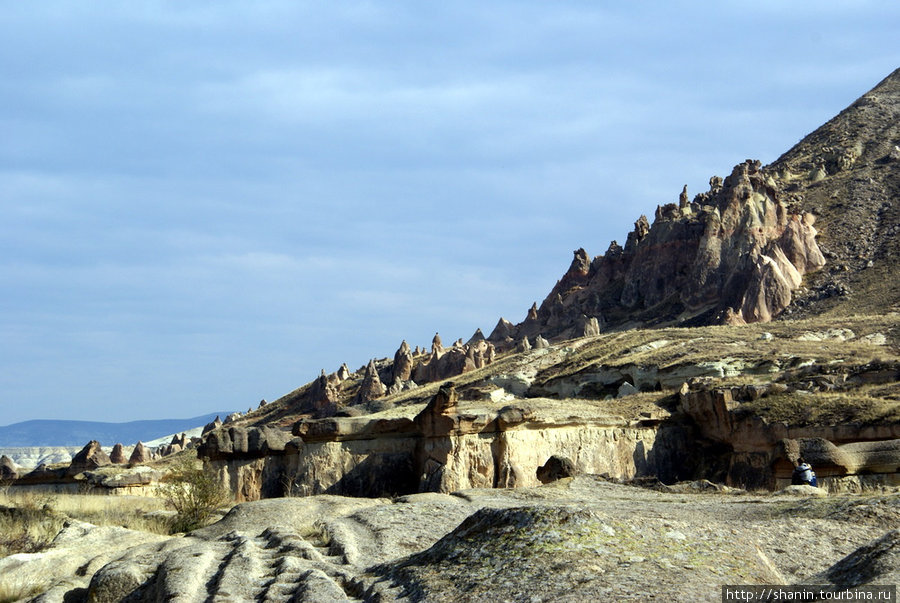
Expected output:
(202, 204)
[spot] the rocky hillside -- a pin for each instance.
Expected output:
(747, 249)
(658, 357)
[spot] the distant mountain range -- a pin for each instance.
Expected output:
(48, 432)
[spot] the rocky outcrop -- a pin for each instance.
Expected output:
(140, 455)
(762, 454)
(444, 448)
(214, 424)
(89, 458)
(403, 363)
(556, 468)
(371, 388)
(736, 253)
(322, 397)
(8, 469)
(117, 456)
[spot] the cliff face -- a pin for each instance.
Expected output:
(445, 448)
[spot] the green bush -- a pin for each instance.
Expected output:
(194, 492)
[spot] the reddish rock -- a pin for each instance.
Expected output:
(140, 454)
(117, 456)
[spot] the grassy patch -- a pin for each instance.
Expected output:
(861, 407)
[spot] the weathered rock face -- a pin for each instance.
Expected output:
(89, 458)
(763, 454)
(444, 448)
(736, 252)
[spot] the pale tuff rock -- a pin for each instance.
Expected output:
(524, 345)
(232, 418)
(590, 326)
(476, 339)
(540, 343)
(450, 363)
(403, 363)
(322, 396)
(371, 387)
(117, 456)
(683, 200)
(343, 373)
(735, 254)
(437, 347)
(214, 424)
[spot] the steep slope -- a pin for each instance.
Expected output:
(847, 173)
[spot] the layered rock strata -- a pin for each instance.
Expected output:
(762, 454)
(444, 448)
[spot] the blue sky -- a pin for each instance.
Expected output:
(204, 204)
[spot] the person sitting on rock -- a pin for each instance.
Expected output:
(803, 474)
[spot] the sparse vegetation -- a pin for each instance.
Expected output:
(194, 492)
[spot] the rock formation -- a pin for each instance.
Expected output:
(371, 388)
(322, 397)
(117, 456)
(215, 424)
(140, 455)
(8, 470)
(403, 363)
(556, 468)
(89, 458)
(588, 541)
(736, 251)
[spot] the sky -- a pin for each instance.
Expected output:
(204, 204)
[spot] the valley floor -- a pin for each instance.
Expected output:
(576, 539)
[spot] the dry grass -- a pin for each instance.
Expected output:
(826, 408)
(29, 520)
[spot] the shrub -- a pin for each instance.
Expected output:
(194, 492)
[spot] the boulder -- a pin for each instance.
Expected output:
(556, 468)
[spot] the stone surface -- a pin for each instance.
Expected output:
(574, 540)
